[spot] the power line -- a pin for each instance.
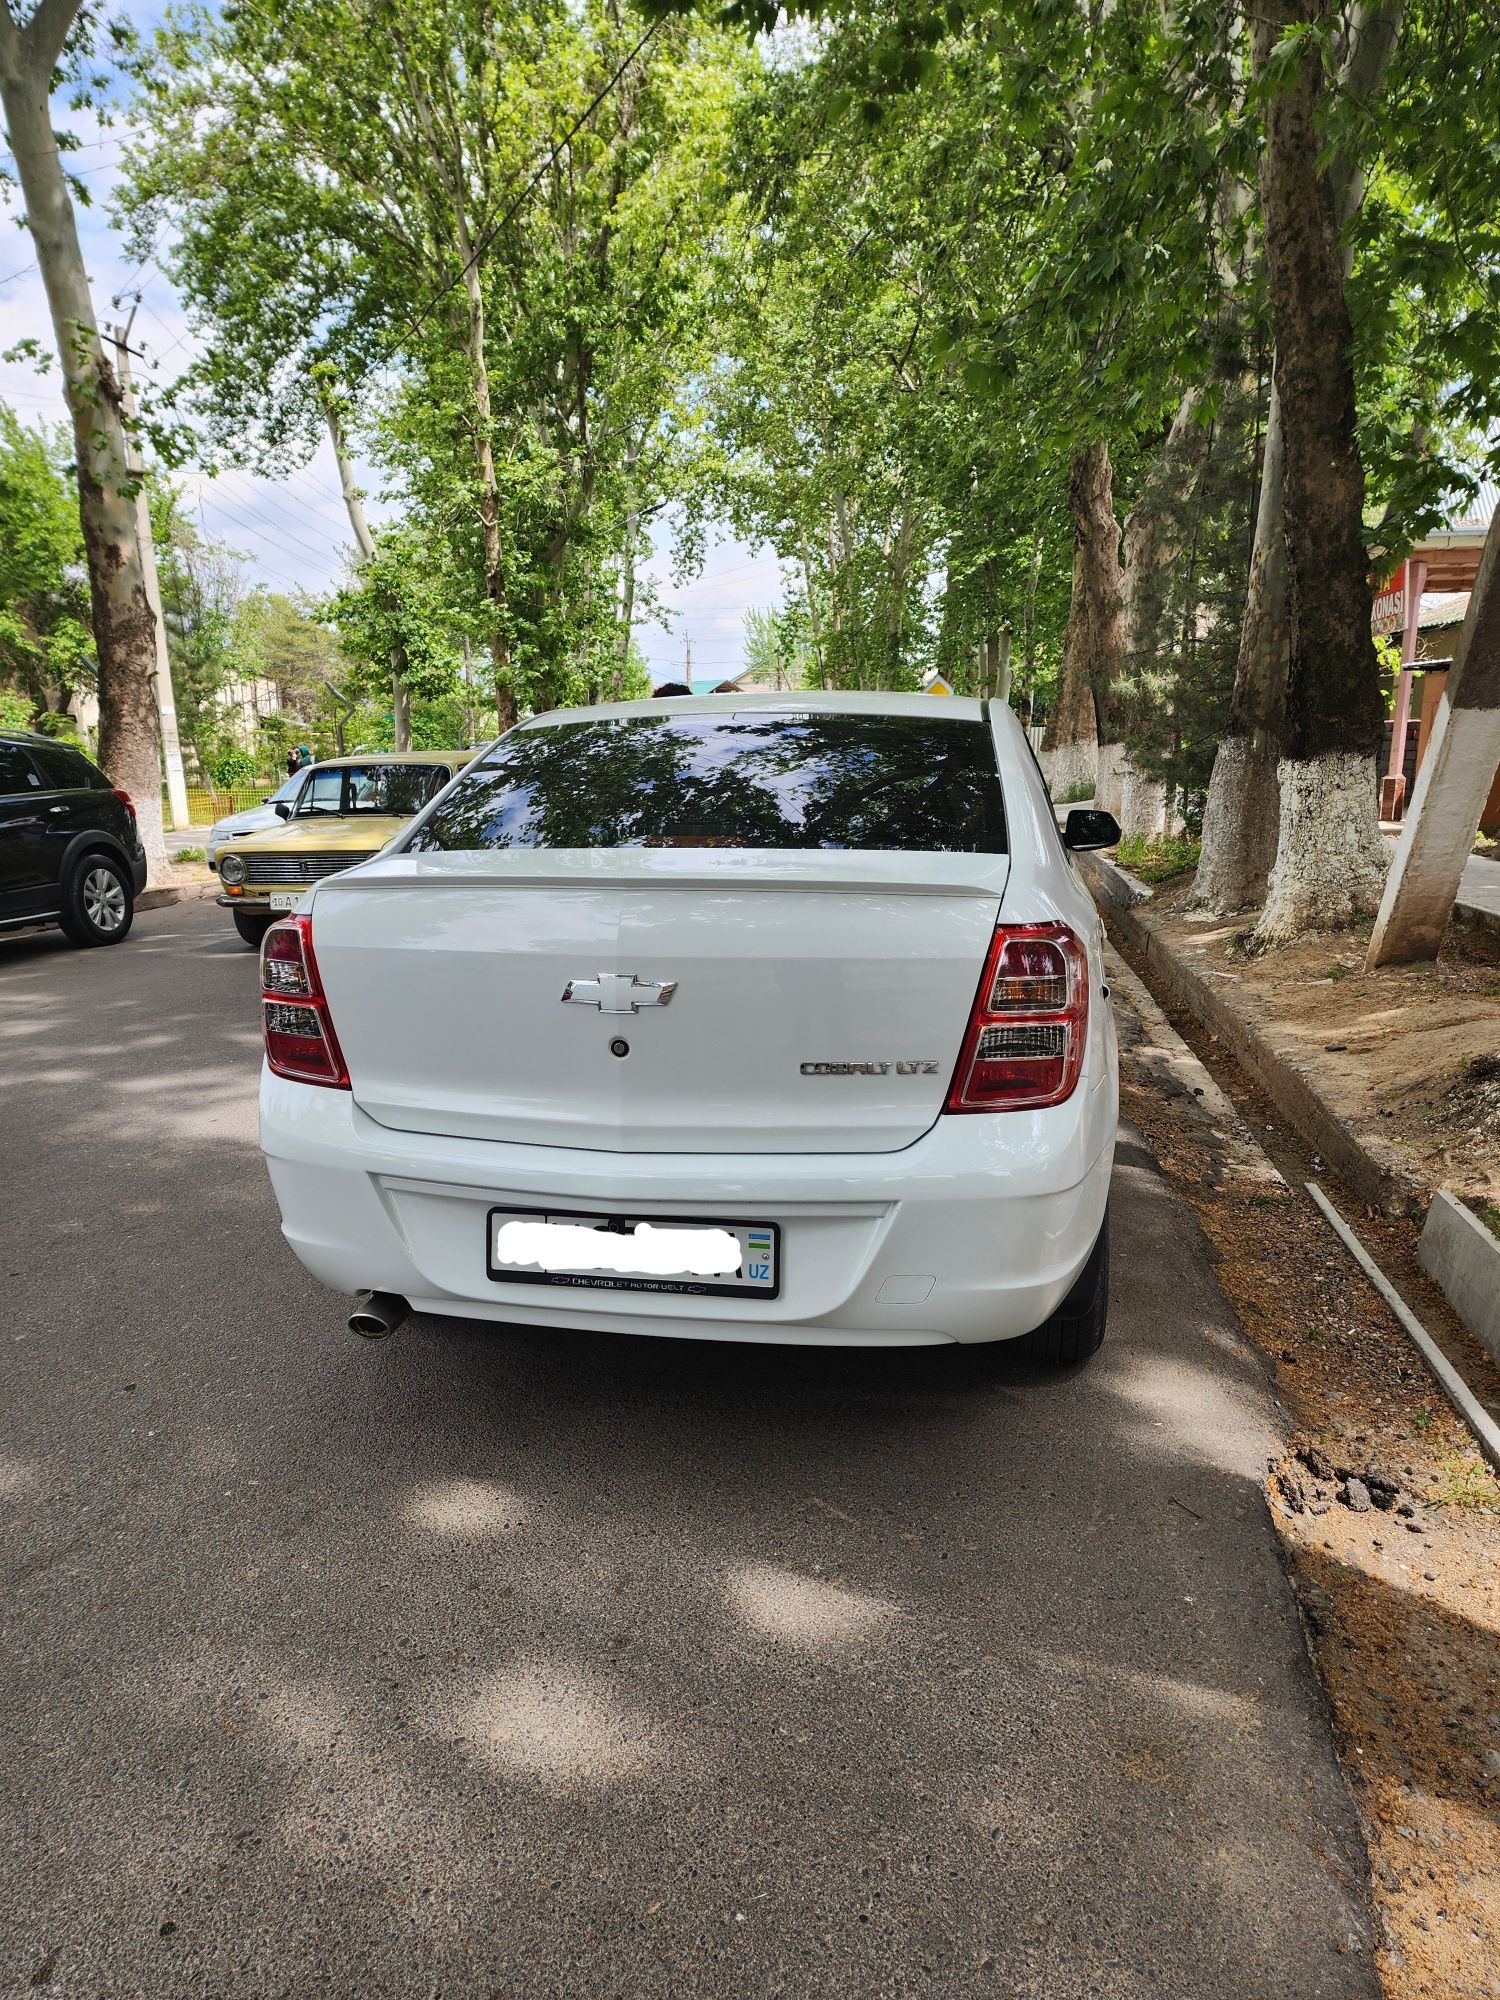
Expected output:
(272, 526)
(316, 517)
(281, 543)
(489, 235)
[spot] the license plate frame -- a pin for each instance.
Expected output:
(629, 1281)
(286, 899)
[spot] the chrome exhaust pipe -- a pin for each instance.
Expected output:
(377, 1314)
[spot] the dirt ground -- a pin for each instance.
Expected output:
(1411, 1053)
(1389, 1518)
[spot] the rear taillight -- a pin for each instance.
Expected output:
(1023, 1048)
(300, 1042)
(125, 800)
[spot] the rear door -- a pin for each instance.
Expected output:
(677, 973)
(23, 833)
(78, 800)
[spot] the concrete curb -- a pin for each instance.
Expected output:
(1461, 1255)
(1373, 1169)
(189, 892)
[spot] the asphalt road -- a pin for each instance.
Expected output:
(478, 1663)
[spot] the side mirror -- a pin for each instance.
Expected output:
(1086, 828)
(282, 809)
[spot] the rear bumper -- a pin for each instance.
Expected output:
(975, 1233)
(138, 868)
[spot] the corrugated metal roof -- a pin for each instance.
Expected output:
(1442, 607)
(1481, 511)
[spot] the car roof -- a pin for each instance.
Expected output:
(387, 757)
(954, 708)
(36, 736)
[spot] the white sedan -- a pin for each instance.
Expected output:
(254, 819)
(761, 1018)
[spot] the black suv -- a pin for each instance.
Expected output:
(70, 853)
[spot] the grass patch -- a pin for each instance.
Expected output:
(190, 854)
(1466, 1482)
(1157, 860)
(1077, 793)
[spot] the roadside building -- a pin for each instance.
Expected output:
(1423, 604)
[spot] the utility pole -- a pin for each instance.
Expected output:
(166, 700)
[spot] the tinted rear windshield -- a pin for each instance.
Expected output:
(754, 779)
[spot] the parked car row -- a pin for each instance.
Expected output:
(339, 813)
(71, 854)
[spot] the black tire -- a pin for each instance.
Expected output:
(252, 929)
(1076, 1329)
(98, 901)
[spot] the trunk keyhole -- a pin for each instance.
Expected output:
(619, 1046)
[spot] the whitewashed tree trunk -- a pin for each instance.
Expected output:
(1070, 768)
(1331, 859)
(1240, 824)
(1142, 811)
(1241, 818)
(1109, 786)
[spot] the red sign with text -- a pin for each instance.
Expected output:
(1388, 612)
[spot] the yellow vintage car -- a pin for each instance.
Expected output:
(347, 810)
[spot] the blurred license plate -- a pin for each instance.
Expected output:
(710, 1259)
(286, 899)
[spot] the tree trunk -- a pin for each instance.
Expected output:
(627, 569)
(364, 541)
(1330, 859)
(1000, 685)
(161, 684)
(1028, 629)
(1241, 818)
(1242, 815)
(1071, 742)
(1097, 533)
(489, 488)
(124, 631)
(1151, 545)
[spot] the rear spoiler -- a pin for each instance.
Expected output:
(835, 872)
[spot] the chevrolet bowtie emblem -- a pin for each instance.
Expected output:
(619, 993)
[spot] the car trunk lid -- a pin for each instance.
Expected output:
(817, 1000)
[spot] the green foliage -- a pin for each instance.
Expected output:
(229, 767)
(1157, 860)
(46, 649)
(330, 190)
(17, 711)
(861, 291)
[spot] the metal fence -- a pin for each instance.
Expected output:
(206, 803)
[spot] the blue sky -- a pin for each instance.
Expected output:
(293, 533)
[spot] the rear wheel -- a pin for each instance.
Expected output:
(252, 929)
(1076, 1329)
(99, 901)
